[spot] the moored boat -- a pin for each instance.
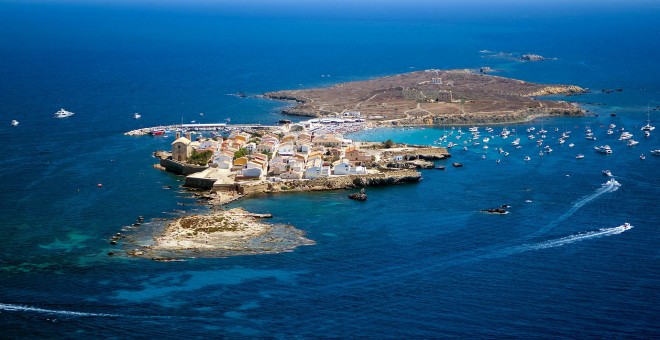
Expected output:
(603, 149)
(62, 113)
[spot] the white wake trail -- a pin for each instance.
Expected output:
(572, 239)
(19, 308)
(610, 186)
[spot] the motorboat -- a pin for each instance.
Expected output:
(137, 116)
(625, 135)
(655, 152)
(603, 149)
(456, 164)
(579, 156)
(612, 126)
(14, 122)
(527, 158)
(607, 173)
(571, 145)
(632, 142)
(62, 113)
(516, 141)
(626, 226)
(647, 133)
(642, 157)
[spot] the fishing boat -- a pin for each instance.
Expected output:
(603, 149)
(62, 113)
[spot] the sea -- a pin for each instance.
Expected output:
(413, 261)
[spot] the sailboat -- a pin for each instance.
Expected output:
(648, 126)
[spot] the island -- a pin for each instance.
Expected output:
(225, 163)
(221, 234)
(432, 97)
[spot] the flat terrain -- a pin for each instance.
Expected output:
(433, 97)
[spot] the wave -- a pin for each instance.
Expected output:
(18, 308)
(610, 186)
(572, 239)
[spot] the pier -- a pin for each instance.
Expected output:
(199, 127)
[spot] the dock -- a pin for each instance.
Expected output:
(199, 127)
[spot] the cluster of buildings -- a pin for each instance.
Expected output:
(295, 155)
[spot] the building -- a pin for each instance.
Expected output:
(356, 155)
(445, 96)
(316, 169)
(181, 149)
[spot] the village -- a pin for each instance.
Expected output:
(286, 154)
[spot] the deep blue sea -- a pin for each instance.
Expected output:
(414, 261)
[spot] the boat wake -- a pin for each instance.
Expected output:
(572, 239)
(19, 308)
(610, 186)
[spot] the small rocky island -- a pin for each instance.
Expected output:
(433, 97)
(222, 234)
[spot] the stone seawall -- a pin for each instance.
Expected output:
(330, 183)
(180, 168)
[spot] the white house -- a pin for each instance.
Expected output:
(223, 160)
(344, 168)
(315, 169)
(291, 175)
(286, 149)
(250, 147)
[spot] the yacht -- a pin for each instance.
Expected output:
(486, 140)
(571, 145)
(14, 122)
(632, 142)
(655, 152)
(612, 126)
(604, 149)
(610, 132)
(579, 156)
(62, 113)
(648, 126)
(625, 135)
(515, 141)
(137, 116)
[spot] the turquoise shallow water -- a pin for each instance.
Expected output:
(413, 261)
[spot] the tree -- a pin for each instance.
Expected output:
(388, 144)
(240, 153)
(200, 158)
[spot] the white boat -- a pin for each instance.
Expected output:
(603, 149)
(579, 156)
(590, 136)
(648, 126)
(632, 142)
(486, 140)
(642, 157)
(14, 122)
(62, 113)
(531, 137)
(571, 145)
(626, 226)
(655, 152)
(647, 133)
(607, 173)
(527, 158)
(137, 116)
(473, 129)
(625, 135)
(610, 132)
(516, 141)
(612, 126)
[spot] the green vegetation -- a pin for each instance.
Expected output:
(240, 153)
(200, 158)
(388, 144)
